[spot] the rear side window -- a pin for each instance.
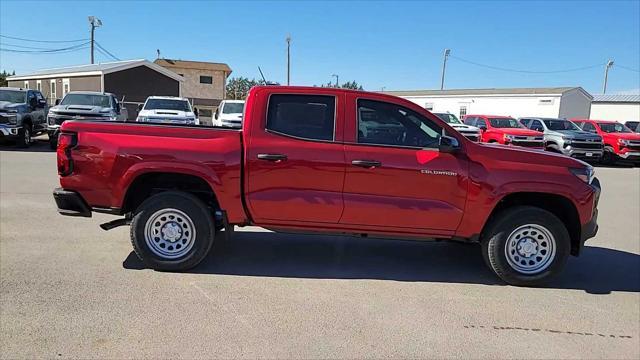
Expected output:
(304, 116)
(470, 120)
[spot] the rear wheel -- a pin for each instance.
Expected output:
(526, 246)
(172, 231)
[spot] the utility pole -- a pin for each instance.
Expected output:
(288, 60)
(444, 67)
(606, 75)
(94, 22)
(337, 77)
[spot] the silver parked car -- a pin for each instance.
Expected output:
(563, 136)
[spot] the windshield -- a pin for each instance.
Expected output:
(614, 128)
(559, 125)
(448, 118)
(13, 96)
(505, 123)
(167, 104)
(86, 99)
(233, 108)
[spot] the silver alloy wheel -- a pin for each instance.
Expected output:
(530, 249)
(27, 135)
(169, 233)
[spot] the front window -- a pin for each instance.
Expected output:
(167, 104)
(86, 99)
(13, 96)
(233, 108)
(505, 123)
(449, 118)
(614, 128)
(384, 123)
(559, 125)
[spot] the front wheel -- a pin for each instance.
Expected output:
(172, 231)
(24, 136)
(526, 246)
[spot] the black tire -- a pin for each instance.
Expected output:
(494, 244)
(53, 142)
(608, 156)
(195, 210)
(24, 136)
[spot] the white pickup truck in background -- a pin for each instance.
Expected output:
(167, 110)
(229, 114)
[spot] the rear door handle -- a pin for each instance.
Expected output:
(369, 164)
(272, 157)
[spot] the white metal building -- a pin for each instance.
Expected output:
(621, 108)
(558, 102)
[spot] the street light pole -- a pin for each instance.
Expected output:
(444, 67)
(606, 75)
(288, 60)
(94, 22)
(337, 82)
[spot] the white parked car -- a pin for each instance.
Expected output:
(470, 132)
(229, 113)
(167, 110)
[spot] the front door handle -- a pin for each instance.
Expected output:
(369, 164)
(272, 157)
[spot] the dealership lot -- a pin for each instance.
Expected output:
(71, 290)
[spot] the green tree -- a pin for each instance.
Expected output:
(3, 77)
(238, 87)
(348, 85)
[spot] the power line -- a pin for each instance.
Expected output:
(526, 71)
(43, 41)
(627, 68)
(107, 51)
(24, 47)
(49, 51)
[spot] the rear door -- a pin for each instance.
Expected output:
(396, 179)
(295, 158)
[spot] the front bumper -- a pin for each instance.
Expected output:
(9, 131)
(71, 203)
(630, 155)
(590, 229)
(583, 153)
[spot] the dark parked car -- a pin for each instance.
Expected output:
(22, 114)
(633, 125)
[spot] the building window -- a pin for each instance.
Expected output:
(39, 85)
(206, 79)
(52, 93)
(463, 111)
(65, 87)
(26, 84)
(428, 106)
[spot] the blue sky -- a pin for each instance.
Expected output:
(395, 45)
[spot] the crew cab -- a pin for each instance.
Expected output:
(620, 143)
(505, 130)
(22, 114)
(83, 105)
(470, 132)
(333, 161)
(229, 113)
(564, 137)
(167, 110)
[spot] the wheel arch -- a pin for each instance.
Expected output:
(559, 205)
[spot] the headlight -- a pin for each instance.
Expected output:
(623, 142)
(141, 119)
(585, 174)
(509, 137)
(567, 140)
(11, 111)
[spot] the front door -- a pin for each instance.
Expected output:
(295, 168)
(396, 177)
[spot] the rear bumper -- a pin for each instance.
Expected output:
(70, 203)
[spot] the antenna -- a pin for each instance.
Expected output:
(261, 74)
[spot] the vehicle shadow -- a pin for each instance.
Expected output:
(597, 270)
(39, 144)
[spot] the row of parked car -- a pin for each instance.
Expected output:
(594, 140)
(24, 113)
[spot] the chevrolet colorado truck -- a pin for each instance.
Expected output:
(303, 162)
(620, 143)
(83, 105)
(505, 130)
(564, 137)
(22, 114)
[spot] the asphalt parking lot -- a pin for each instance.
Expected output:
(71, 290)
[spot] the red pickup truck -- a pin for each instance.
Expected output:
(505, 130)
(332, 161)
(620, 142)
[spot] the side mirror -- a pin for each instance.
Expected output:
(140, 106)
(448, 144)
(57, 102)
(482, 128)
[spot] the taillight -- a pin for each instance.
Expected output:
(66, 141)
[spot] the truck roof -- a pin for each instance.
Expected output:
(12, 88)
(91, 93)
(168, 97)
